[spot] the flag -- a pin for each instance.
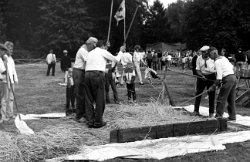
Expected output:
(120, 14)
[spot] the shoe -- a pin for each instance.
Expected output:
(211, 115)
(195, 114)
(218, 117)
(117, 102)
(78, 119)
(99, 125)
(231, 119)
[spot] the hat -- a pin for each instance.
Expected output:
(91, 40)
(65, 51)
(3, 47)
(204, 48)
(137, 47)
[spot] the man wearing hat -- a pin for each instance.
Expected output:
(79, 73)
(65, 63)
(205, 69)
(137, 58)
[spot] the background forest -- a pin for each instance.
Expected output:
(35, 26)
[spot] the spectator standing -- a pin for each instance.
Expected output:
(70, 94)
(240, 59)
(129, 77)
(159, 61)
(65, 63)
(79, 74)
(248, 58)
(95, 84)
(168, 60)
(149, 58)
(154, 60)
(227, 82)
(51, 61)
(126, 58)
(137, 58)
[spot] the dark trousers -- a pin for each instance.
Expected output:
(149, 63)
(78, 78)
(154, 65)
(95, 93)
(131, 91)
(227, 94)
(201, 85)
(70, 97)
(51, 66)
(109, 81)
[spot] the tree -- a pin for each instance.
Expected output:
(65, 25)
(2, 18)
(155, 24)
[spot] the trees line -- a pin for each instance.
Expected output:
(37, 26)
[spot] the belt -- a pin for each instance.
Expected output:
(96, 71)
(78, 69)
(227, 75)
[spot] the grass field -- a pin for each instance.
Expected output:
(37, 94)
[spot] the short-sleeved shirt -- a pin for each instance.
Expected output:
(97, 59)
(223, 67)
(206, 69)
(81, 57)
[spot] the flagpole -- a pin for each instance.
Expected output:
(110, 19)
(124, 30)
(131, 24)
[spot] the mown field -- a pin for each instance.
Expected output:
(37, 94)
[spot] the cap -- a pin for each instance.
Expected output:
(137, 47)
(65, 51)
(3, 47)
(92, 40)
(204, 48)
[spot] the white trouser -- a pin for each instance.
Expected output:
(7, 99)
(138, 71)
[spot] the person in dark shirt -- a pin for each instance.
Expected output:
(65, 64)
(193, 62)
(240, 59)
(65, 61)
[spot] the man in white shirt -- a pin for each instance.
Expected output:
(79, 73)
(11, 79)
(95, 84)
(51, 61)
(137, 58)
(205, 69)
(228, 81)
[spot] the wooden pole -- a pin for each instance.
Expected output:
(131, 24)
(124, 30)
(171, 101)
(110, 19)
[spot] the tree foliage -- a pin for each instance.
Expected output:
(39, 25)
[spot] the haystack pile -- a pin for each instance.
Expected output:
(51, 142)
(65, 136)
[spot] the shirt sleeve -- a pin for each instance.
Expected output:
(218, 68)
(198, 67)
(2, 67)
(110, 57)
